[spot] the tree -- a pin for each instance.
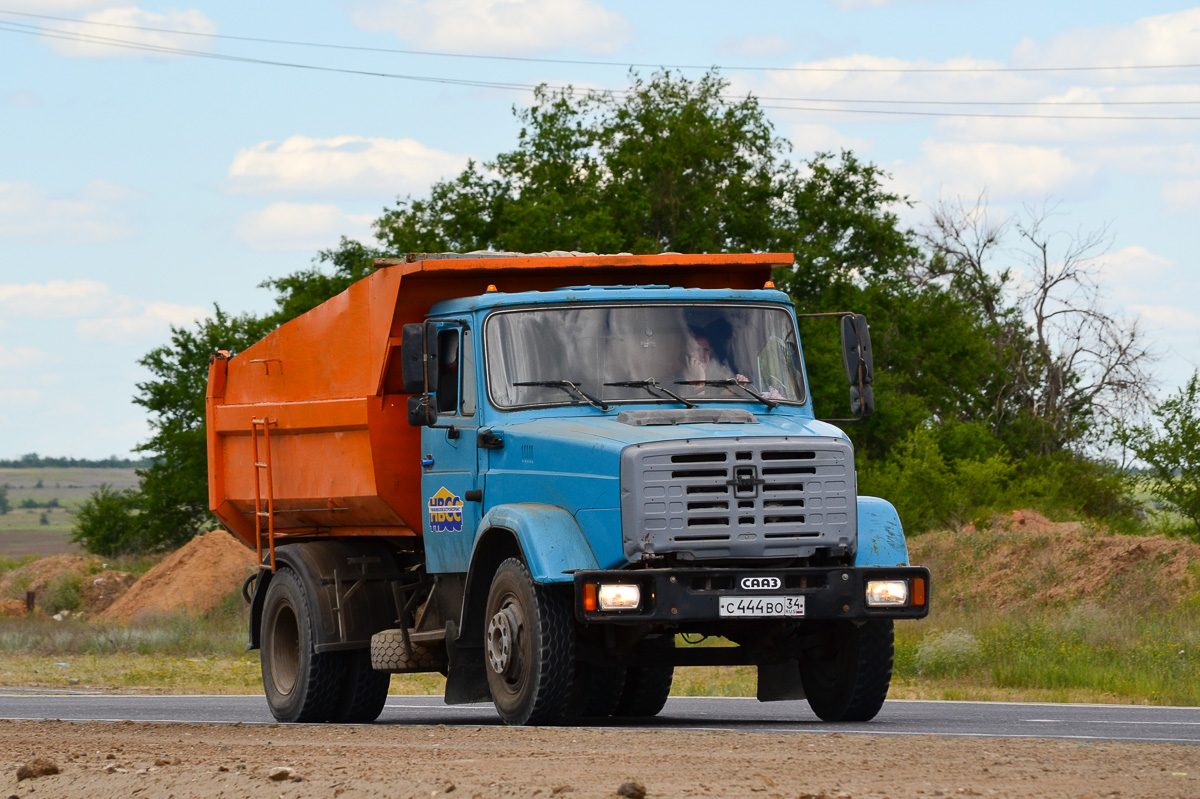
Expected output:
(1172, 450)
(1068, 369)
(670, 164)
(108, 522)
(5, 504)
(174, 490)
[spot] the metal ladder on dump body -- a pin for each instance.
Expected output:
(262, 466)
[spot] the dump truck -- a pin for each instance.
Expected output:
(545, 476)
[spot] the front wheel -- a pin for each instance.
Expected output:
(847, 679)
(529, 645)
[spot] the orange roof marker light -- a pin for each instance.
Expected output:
(491, 288)
(770, 284)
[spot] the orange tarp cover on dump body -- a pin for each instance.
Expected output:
(343, 458)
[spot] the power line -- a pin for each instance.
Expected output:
(624, 65)
(52, 33)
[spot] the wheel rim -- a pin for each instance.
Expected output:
(504, 641)
(285, 649)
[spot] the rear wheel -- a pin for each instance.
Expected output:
(597, 690)
(647, 687)
(300, 685)
(529, 645)
(364, 691)
(848, 678)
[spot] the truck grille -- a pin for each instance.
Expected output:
(738, 498)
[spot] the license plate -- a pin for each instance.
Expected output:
(762, 605)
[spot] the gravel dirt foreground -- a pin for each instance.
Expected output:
(175, 761)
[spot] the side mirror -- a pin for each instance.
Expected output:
(419, 357)
(421, 411)
(859, 362)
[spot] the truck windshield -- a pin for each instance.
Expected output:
(685, 349)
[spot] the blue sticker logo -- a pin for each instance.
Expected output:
(445, 512)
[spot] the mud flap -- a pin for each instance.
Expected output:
(778, 682)
(466, 679)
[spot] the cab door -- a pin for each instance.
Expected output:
(450, 482)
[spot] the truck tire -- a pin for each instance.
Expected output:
(388, 653)
(647, 687)
(364, 691)
(301, 685)
(597, 691)
(529, 647)
(848, 680)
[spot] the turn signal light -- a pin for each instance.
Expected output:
(589, 597)
(918, 592)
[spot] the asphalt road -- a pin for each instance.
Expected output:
(975, 719)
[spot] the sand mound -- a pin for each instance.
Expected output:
(195, 578)
(103, 589)
(36, 576)
(1024, 559)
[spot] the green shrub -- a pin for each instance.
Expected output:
(64, 592)
(947, 653)
(108, 522)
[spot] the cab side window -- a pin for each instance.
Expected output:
(447, 391)
(456, 373)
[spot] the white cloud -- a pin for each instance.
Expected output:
(1164, 39)
(1133, 265)
(508, 27)
(54, 6)
(22, 100)
(847, 5)
(61, 299)
(298, 226)
(82, 40)
(92, 215)
(1182, 197)
(809, 139)
(755, 46)
(349, 165)
(19, 357)
(152, 320)
(101, 314)
(19, 397)
(963, 169)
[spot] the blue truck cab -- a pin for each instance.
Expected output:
(607, 468)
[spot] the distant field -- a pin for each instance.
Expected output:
(21, 529)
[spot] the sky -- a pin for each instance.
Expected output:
(153, 163)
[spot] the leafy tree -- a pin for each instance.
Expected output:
(174, 490)
(109, 523)
(5, 505)
(1172, 450)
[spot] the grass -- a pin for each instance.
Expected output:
(21, 529)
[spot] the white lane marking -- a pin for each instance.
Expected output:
(1111, 721)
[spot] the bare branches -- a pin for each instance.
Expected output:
(1075, 367)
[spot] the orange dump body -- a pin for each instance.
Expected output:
(308, 426)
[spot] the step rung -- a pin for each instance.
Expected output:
(259, 465)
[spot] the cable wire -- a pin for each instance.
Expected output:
(622, 64)
(52, 33)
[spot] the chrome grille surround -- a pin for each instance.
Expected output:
(712, 498)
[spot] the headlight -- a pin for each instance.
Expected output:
(887, 593)
(620, 597)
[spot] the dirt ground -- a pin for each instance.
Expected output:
(173, 761)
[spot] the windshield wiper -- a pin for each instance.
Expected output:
(652, 385)
(732, 382)
(570, 388)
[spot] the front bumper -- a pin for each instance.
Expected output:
(689, 595)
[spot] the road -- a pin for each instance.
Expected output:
(898, 718)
